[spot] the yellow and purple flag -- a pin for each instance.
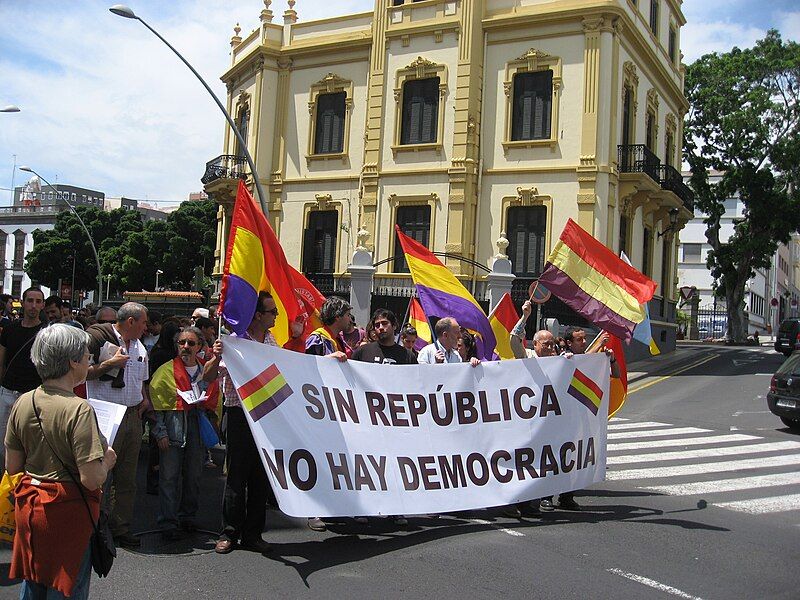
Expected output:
(502, 319)
(254, 262)
(419, 321)
(264, 393)
(595, 283)
(442, 295)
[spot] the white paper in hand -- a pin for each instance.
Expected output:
(109, 417)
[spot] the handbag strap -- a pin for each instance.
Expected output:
(75, 481)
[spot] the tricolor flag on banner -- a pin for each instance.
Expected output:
(419, 321)
(503, 318)
(264, 393)
(596, 283)
(442, 295)
(585, 391)
(618, 387)
(254, 262)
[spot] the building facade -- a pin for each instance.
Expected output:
(477, 126)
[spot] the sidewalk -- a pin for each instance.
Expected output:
(657, 365)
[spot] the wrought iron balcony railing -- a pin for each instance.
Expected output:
(226, 166)
(638, 158)
(671, 179)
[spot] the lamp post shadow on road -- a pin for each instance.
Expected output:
(124, 11)
(85, 229)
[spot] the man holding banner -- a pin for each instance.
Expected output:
(244, 503)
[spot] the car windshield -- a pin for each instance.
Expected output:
(786, 326)
(791, 366)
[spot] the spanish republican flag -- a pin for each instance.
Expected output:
(419, 321)
(619, 387)
(171, 383)
(312, 300)
(596, 283)
(503, 318)
(442, 295)
(255, 262)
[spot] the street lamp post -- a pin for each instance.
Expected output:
(86, 231)
(124, 11)
(108, 286)
(158, 272)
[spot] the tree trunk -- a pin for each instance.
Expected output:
(737, 324)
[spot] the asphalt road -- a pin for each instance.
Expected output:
(701, 502)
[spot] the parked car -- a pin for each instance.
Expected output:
(783, 397)
(788, 338)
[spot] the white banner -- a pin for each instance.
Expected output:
(353, 439)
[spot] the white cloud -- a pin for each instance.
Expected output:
(699, 38)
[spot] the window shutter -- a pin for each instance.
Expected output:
(420, 111)
(330, 123)
(532, 105)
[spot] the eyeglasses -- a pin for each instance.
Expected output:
(190, 343)
(273, 311)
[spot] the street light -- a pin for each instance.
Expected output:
(10, 108)
(123, 11)
(158, 272)
(108, 286)
(85, 229)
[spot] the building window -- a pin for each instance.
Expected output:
(319, 242)
(242, 125)
(647, 243)
(623, 234)
(532, 86)
(415, 222)
(16, 286)
(669, 148)
(533, 100)
(756, 304)
(420, 111)
(330, 123)
(19, 249)
(330, 103)
(666, 271)
(673, 45)
(650, 131)
(692, 253)
(654, 17)
(627, 117)
(525, 231)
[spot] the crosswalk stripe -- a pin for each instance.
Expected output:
(764, 505)
(624, 426)
(720, 467)
(704, 453)
(658, 433)
(700, 441)
(727, 485)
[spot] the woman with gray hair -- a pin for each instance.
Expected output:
(54, 439)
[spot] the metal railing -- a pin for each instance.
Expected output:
(671, 179)
(638, 158)
(226, 166)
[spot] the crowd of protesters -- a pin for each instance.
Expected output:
(169, 374)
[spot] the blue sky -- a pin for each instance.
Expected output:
(108, 107)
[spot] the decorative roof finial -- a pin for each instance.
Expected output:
(236, 38)
(266, 14)
(290, 14)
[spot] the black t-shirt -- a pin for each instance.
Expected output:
(18, 371)
(387, 355)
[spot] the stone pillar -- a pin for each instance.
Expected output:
(361, 275)
(501, 278)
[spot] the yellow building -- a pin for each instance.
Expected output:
(469, 123)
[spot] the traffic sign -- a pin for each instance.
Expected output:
(687, 291)
(537, 293)
(774, 302)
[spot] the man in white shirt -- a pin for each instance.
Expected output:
(118, 374)
(444, 348)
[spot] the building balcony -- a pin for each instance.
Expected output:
(671, 180)
(638, 158)
(226, 166)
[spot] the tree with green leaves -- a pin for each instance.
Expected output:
(744, 122)
(130, 250)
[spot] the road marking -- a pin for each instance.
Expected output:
(503, 529)
(720, 467)
(656, 433)
(704, 453)
(678, 372)
(727, 485)
(647, 425)
(653, 584)
(739, 413)
(762, 506)
(699, 441)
